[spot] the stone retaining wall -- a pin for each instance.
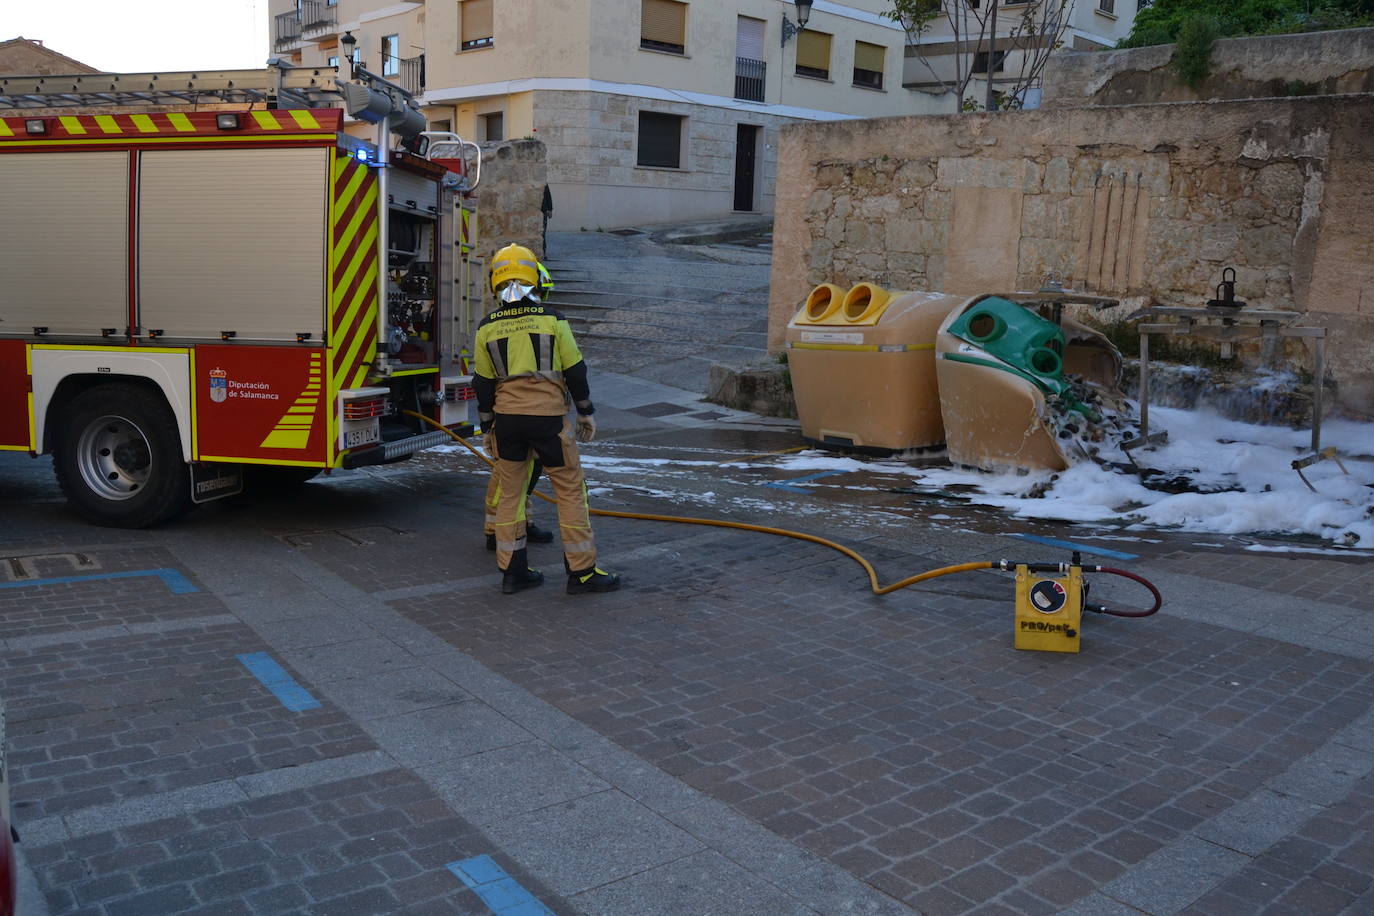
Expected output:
(1313, 63)
(1146, 202)
(509, 195)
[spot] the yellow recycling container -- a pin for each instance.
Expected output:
(863, 367)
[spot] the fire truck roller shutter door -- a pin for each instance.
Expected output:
(247, 228)
(67, 274)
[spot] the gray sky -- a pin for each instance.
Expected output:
(135, 36)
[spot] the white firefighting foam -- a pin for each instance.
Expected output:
(1238, 478)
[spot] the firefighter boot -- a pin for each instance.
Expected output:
(533, 533)
(592, 580)
(516, 580)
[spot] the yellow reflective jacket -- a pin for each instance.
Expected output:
(527, 362)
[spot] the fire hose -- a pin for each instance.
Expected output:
(1006, 565)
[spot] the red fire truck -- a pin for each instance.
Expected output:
(189, 294)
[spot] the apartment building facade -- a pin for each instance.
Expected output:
(1022, 28)
(651, 110)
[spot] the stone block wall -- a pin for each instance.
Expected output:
(592, 160)
(1148, 203)
(1312, 63)
(509, 195)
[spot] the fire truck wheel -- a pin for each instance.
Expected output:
(118, 458)
(260, 477)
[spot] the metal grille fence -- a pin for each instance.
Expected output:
(749, 79)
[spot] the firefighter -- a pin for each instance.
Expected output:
(528, 368)
(533, 533)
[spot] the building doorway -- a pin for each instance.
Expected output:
(746, 155)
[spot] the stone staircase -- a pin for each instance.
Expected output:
(664, 316)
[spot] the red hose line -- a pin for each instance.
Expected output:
(1159, 600)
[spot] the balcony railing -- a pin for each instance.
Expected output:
(749, 79)
(318, 15)
(286, 29)
(309, 16)
(409, 73)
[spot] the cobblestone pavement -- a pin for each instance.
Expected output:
(322, 704)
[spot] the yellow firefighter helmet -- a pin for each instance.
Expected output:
(514, 262)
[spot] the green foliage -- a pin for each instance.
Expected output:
(1192, 60)
(1162, 22)
(915, 16)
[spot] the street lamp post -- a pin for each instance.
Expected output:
(348, 43)
(803, 14)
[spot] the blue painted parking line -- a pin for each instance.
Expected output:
(274, 677)
(789, 484)
(502, 894)
(176, 583)
(1085, 548)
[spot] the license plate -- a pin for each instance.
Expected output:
(355, 437)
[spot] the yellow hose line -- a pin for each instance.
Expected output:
(744, 526)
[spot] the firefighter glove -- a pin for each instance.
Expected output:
(489, 443)
(586, 428)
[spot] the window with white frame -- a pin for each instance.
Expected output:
(391, 59)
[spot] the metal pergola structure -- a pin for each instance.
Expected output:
(1227, 326)
(279, 86)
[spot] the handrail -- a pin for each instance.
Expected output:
(442, 142)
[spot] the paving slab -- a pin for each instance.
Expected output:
(743, 728)
(443, 734)
(590, 841)
(705, 883)
(494, 786)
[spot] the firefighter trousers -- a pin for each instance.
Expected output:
(519, 439)
(494, 496)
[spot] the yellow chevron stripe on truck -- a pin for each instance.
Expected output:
(293, 429)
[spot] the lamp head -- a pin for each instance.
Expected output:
(348, 42)
(803, 12)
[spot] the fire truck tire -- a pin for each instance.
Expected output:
(118, 458)
(260, 477)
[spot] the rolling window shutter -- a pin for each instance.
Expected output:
(664, 21)
(476, 20)
(813, 50)
(869, 57)
(660, 140)
(749, 38)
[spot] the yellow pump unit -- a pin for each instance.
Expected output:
(1049, 610)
